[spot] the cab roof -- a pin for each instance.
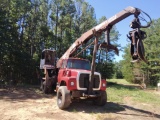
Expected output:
(72, 58)
(48, 50)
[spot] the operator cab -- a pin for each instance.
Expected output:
(48, 59)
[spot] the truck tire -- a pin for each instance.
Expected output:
(41, 85)
(53, 88)
(63, 97)
(102, 99)
(44, 88)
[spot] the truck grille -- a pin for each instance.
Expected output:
(84, 81)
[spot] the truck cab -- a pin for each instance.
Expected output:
(47, 66)
(47, 59)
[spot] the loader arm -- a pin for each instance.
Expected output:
(104, 26)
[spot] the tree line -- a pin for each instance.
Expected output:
(29, 26)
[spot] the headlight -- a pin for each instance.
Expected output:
(72, 83)
(103, 85)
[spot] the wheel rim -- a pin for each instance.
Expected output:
(59, 98)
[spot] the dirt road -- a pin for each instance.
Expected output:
(31, 104)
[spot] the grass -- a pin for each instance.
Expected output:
(118, 90)
(119, 81)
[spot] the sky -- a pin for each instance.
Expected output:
(109, 8)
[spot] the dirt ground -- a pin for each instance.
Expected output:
(31, 104)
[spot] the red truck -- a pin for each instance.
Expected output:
(76, 77)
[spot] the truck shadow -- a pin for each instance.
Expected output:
(88, 107)
(20, 94)
(140, 112)
(110, 107)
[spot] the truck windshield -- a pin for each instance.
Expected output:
(78, 64)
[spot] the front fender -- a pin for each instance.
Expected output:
(71, 83)
(103, 85)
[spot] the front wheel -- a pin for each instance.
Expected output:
(102, 99)
(63, 97)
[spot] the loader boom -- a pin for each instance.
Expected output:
(99, 29)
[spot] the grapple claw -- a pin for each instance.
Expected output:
(140, 53)
(109, 47)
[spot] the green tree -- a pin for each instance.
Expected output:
(152, 48)
(151, 70)
(127, 66)
(118, 70)
(29, 26)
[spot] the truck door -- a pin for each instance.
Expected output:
(62, 70)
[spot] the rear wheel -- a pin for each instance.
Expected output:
(63, 97)
(44, 88)
(53, 87)
(41, 86)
